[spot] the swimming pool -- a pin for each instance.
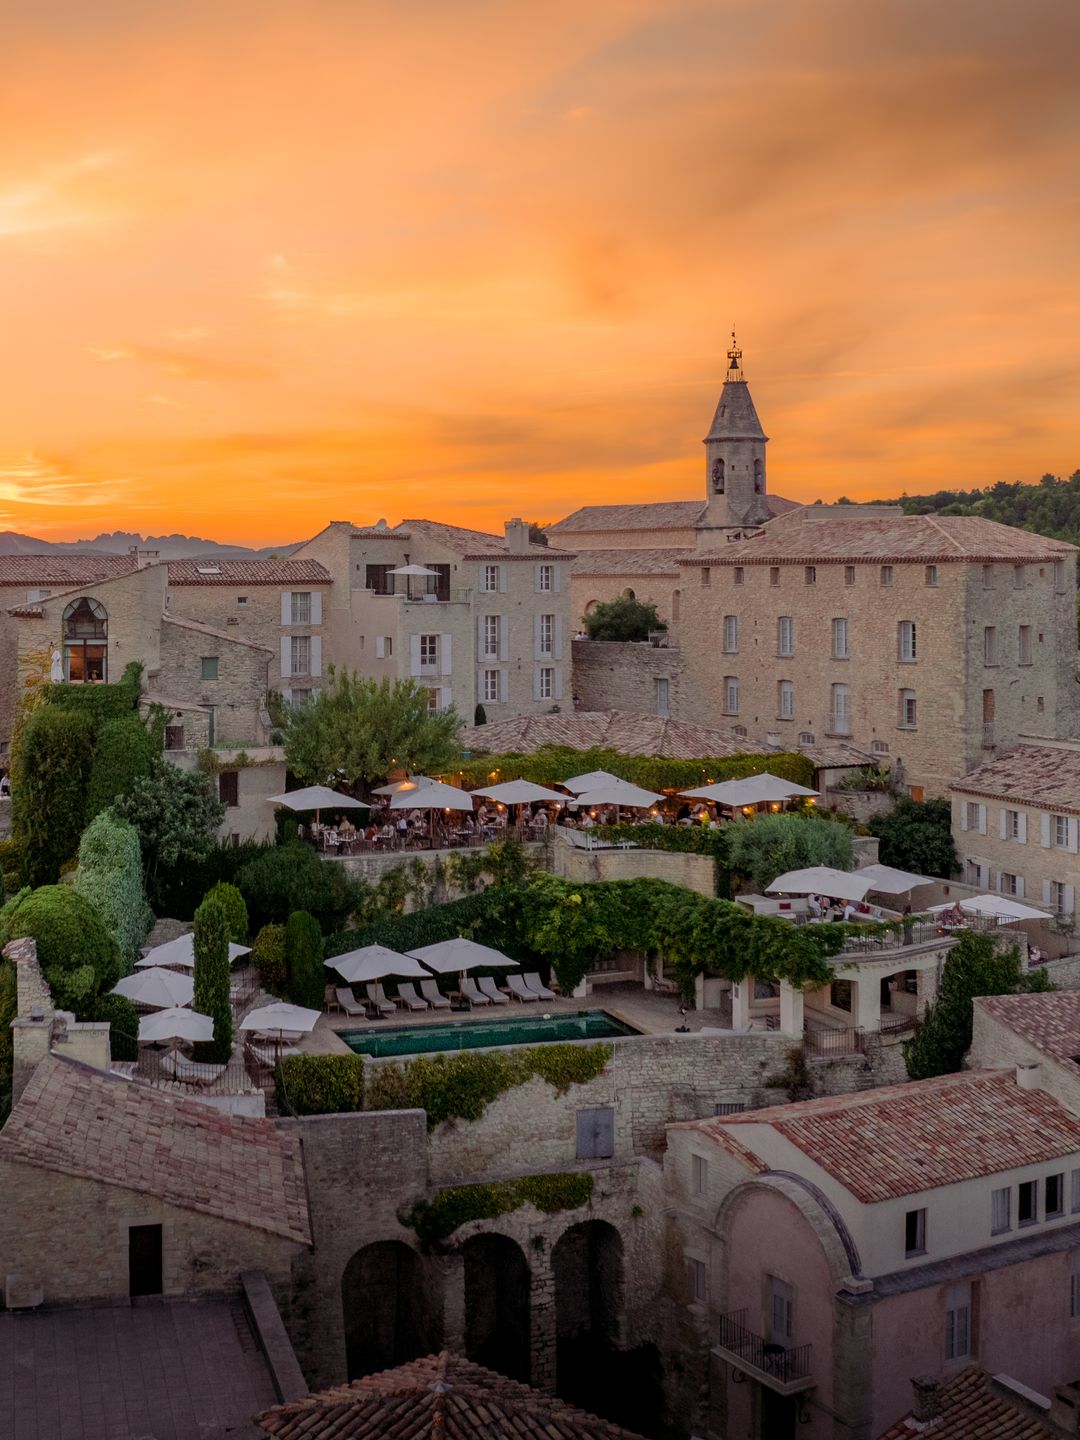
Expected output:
(475, 1034)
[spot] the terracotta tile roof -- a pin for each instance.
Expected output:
(972, 1408)
(379, 532)
(823, 533)
(903, 1139)
(1029, 775)
(476, 544)
(26, 612)
(1050, 1022)
(248, 572)
(654, 515)
(619, 730)
(830, 755)
(627, 562)
(439, 1397)
(202, 629)
(62, 571)
(79, 1121)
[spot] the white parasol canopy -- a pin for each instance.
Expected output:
(751, 790)
(412, 570)
(579, 784)
(375, 962)
(620, 793)
(821, 879)
(448, 957)
(519, 792)
(317, 797)
(396, 786)
(157, 987)
(290, 1019)
(995, 907)
(181, 951)
(889, 881)
(432, 796)
(179, 1023)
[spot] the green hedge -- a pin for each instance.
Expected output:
(79, 959)
(124, 753)
(552, 764)
(51, 762)
(435, 1220)
(321, 1084)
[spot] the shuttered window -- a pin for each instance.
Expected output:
(596, 1133)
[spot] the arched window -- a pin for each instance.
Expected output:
(759, 476)
(718, 476)
(86, 642)
(628, 594)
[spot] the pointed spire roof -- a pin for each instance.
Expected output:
(735, 418)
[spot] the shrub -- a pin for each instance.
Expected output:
(235, 910)
(767, 846)
(51, 766)
(110, 876)
(435, 1220)
(79, 959)
(176, 814)
(212, 979)
(292, 877)
(179, 892)
(479, 716)
(124, 755)
(623, 618)
(305, 972)
(268, 956)
(917, 835)
(321, 1084)
(123, 1021)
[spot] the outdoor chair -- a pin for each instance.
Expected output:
(377, 999)
(472, 995)
(537, 986)
(519, 990)
(407, 995)
(191, 1072)
(488, 987)
(267, 1053)
(433, 995)
(349, 1003)
(331, 997)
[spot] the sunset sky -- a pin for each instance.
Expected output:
(267, 264)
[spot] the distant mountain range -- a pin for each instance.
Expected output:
(170, 547)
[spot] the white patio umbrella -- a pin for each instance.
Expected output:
(432, 796)
(176, 1024)
(592, 780)
(760, 789)
(157, 987)
(396, 786)
(447, 956)
(621, 794)
(181, 951)
(375, 962)
(317, 798)
(281, 1018)
(520, 793)
(820, 879)
(420, 571)
(889, 881)
(995, 907)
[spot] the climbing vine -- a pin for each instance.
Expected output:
(435, 1220)
(551, 764)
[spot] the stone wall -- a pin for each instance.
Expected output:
(861, 805)
(253, 612)
(238, 695)
(695, 872)
(610, 675)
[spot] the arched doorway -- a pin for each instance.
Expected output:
(86, 642)
(497, 1287)
(392, 1303)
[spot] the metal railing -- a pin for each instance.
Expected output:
(837, 724)
(784, 1365)
(824, 1043)
(173, 1070)
(897, 1024)
(908, 933)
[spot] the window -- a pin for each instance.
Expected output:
(718, 475)
(731, 634)
(144, 1260)
(301, 607)
(429, 652)
(886, 574)
(840, 995)
(806, 737)
(731, 694)
(839, 717)
(697, 1281)
(990, 645)
(86, 640)
(1024, 645)
(1056, 894)
(931, 575)
(545, 577)
(958, 1322)
(988, 577)
(1001, 1211)
(1011, 824)
(33, 596)
(785, 699)
(379, 579)
(1075, 1181)
(490, 578)
(1061, 832)
(491, 685)
(706, 575)
(229, 788)
(785, 635)
(546, 634)
(782, 1318)
(241, 599)
(1009, 884)
(739, 574)
(300, 654)
(491, 636)
(545, 683)
(1019, 577)
(839, 640)
(699, 1175)
(909, 711)
(810, 574)
(879, 747)
(596, 1133)
(907, 645)
(1027, 1207)
(774, 574)
(740, 730)
(734, 1107)
(174, 737)
(915, 1232)
(662, 701)
(209, 667)
(1054, 1202)
(433, 699)
(849, 574)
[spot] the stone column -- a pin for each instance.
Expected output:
(542, 1321)
(791, 1009)
(741, 994)
(454, 1302)
(866, 1003)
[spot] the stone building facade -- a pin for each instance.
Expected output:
(643, 678)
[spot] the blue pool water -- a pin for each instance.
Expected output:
(476, 1034)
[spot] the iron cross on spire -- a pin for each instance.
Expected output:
(735, 371)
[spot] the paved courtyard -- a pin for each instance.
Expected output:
(158, 1370)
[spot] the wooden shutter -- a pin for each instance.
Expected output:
(1072, 833)
(446, 697)
(536, 683)
(1068, 904)
(504, 638)
(502, 579)
(1003, 817)
(558, 637)
(596, 1133)
(558, 682)
(414, 655)
(1044, 831)
(537, 651)
(446, 654)
(982, 819)
(286, 656)
(316, 607)
(556, 578)
(316, 654)
(963, 814)
(286, 607)
(380, 647)
(1022, 822)
(504, 685)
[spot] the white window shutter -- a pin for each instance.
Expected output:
(286, 695)
(963, 815)
(316, 654)
(480, 635)
(286, 607)
(1072, 834)
(504, 637)
(556, 571)
(286, 656)
(537, 652)
(502, 579)
(536, 578)
(1019, 887)
(558, 637)
(1046, 892)
(446, 654)
(1023, 828)
(1068, 904)
(316, 607)
(1044, 831)
(446, 697)
(479, 686)
(414, 655)
(504, 684)
(536, 683)
(982, 819)
(558, 682)
(1003, 816)
(380, 647)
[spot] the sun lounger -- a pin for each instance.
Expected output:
(192, 1072)
(433, 995)
(488, 987)
(407, 995)
(519, 990)
(268, 1054)
(470, 993)
(348, 1002)
(537, 986)
(377, 999)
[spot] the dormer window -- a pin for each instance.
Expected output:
(86, 638)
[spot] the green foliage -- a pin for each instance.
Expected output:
(304, 969)
(321, 1084)
(795, 1078)
(455, 1206)
(176, 814)
(212, 978)
(268, 957)
(974, 966)
(356, 729)
(79, 959)
(768, 845)
(9, 1004)
(461, 1086)
(236, 911)
(123, 1021)
(623, 618)
(50, 770)
(552, 764)
(874, 778)
(110, 876)
(479, 716)
(292, 877)
(125, 753)
(683, 839)
(100, 702)
(917, 835)
(1050, 506)
(179, 892)
(10, 866)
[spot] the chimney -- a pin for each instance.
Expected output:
(926, 1402)
(1028, 1074)
(517, 536)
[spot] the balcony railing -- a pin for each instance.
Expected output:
(837, 724)
(784, 1369)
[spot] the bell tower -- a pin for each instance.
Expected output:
(735, 494)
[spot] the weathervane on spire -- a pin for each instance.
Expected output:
(735, 371)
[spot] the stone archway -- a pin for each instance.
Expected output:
(587, 1264)
(391, 1298)
(497, 1295)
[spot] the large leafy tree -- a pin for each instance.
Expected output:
(292, 877)
(176, 814)
(79, 959)
(110, 876)
(623, 618)
(766, 847)
(358, 729)
(917, 835)
(51, 765)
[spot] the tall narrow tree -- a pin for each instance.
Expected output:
(212, 978)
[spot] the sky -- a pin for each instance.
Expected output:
(269, 263)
